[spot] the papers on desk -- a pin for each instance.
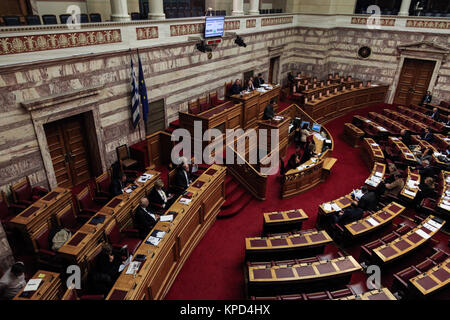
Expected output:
(410, 193)
(409, 155)
(444, 206)
(145, 177)
(133, 267)
(261, 90)
(381, 128)
(378, 174)
(168, 218)
(319, 136)
(314, 160)
(394, 138)
(372, 221)
(430, 227)
(32, 285)
(423, 234)
(413, 184)
(328, 141)
(125, 263)
(335, 207)
(327, 207)
(185, 200)
(278, 118)
(374, 144)
(357, 193)
(128, 190)
(434, 223)
(368, 121)
(156, 237)
(373, 181)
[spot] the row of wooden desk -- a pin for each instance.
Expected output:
(342, 102)
(405, 154)
(411, 187)
(372, 152)
(50, 288)
(434, 279)
(413, 124)
(393, 126)
(163, 262)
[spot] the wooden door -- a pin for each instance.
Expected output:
(414, 81)
(66, 141)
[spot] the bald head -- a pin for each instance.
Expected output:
(144, 202)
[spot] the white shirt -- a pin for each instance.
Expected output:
(187, 178)
(162, 194)
(10, 285)
(150, 214)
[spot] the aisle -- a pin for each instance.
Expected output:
(215, 269)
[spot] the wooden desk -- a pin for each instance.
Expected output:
(282, 221)
(372, 152)
(426, 145)
(381, 294)
(50, 287)
(191, 222)
(282, 126)
(403, 150)
(293, 246)
(352, 134)
(444, 201)
(120, 209)
(41, 212)
(335, 105)
(315, 91)
(254, 103)
(377, 174)
(262, 280)
(374, 221)
(411, 187)
(408, 242)
(369, 126)
(393, 126)
(433, 280)
(413, 124)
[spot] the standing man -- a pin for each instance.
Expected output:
(268, 111)
(426, 98)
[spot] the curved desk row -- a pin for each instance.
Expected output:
(381, 294)
(393, 126)
(434, 279)
(404, 152)
(413, 124)
(444, 201)
(161, 263)
(342, 102)
(372, 152)
(411, 187)
(282, 221)
(377, 174)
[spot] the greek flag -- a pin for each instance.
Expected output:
(134, 98)
(143, 91)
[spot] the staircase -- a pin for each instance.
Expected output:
(236, 198)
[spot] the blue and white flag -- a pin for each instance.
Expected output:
(134, 98)
(143, 91)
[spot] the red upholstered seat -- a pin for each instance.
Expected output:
(7, 210)
(214, 100)
(68, 218)
(292, 297)
(119, 239)
(102, 184)
(425, 265)
(24, 194)
(403, 229)
(439, 256)
(87, 203)
(203, 103)
(323, 295)
(341, 293)
(408, 273)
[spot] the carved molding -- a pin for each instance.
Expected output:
(424, 49)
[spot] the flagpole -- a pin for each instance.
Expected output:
(140, 107)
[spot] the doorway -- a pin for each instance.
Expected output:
(274, 70)
(414, 81)
(69, 150)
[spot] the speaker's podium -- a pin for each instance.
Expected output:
(282, 125)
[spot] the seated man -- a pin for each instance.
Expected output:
(236, 88)
(427, 135)
(447, 122)
(144, 219)
(268, 111)
(182, 178)
(368, 201)
(294, 162)
(435, 114)
(426, 98)
(309, 153)
(118, 185)
(406, 137)
(350, 214)
(394, 188)
(259, 80)
(427, 170)
(159, 197)
(106, 270)
(12, 281)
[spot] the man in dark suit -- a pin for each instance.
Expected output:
(435, 115)
(159, 197)
(349, 215)
(426, 98)
(182, 178)
(258, 81)
(427, 170)
(144, 219)
(236, 88)
(117, 185)
(368, 201)
(427, 135)
(406, 137)
(268, 111)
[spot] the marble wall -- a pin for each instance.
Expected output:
(6, 257)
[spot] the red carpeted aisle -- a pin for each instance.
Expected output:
(215, 268)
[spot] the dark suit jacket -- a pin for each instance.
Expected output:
(144, 222)
(179, 179)
(268, 112)
(306, 156)
(292, 164)
(155, 197)
(427, 172)
(116, 186)
(350, 214)
(435, 115)
(258, 82)
(426, 98)
(427, 137)
(235, 89)
(368, 201)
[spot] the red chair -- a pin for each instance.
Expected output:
(228, 89)
(68, 218)
(323, 295)
(24, 194)
(7, 210)
(102, 184)
(193, 107)
(87, 204)
(214, 99)
(72, 294)
(341, 293)
(118, 239)
(42, 247)
(203, 103)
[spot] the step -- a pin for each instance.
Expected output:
(233, 198)
(236, 208)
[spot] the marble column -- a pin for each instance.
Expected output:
(238, 8)
(119, 10)
(254, 7)
(156, 10)
(404, 8)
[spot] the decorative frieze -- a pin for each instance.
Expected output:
(382, 21)
(186, 29)
(429, 24)
(146, 33)
(265, 22)
(232, 25)
(250, 23)
(34, 43)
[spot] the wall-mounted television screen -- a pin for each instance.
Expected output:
(214, 27)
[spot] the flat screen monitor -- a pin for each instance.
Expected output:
(316, 127)
(303, 123)
(214, 27)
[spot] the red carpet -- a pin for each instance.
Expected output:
(214, 271)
